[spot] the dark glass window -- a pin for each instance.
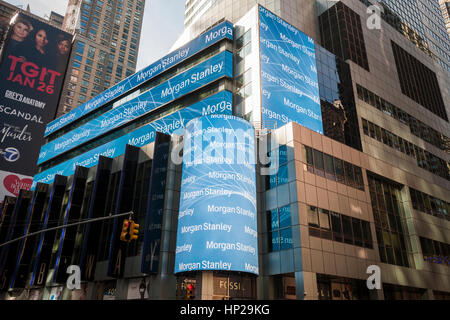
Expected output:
(280, 232)
(347, 229)
(282, 175)
(329, 167)
(286, 239)
(308, 153)
(318, 163)
(339, 167)
(336, 225)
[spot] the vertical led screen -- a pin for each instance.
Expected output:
(217, 226)
(289, 84)
(33, 64)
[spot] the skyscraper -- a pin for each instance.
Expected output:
(107, 35)
(445, 8)
(425, 17)
(201, 14)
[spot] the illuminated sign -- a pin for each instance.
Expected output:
(289, 84)
(173, 123)
(194, 78)
(217, 222)
(220, 32)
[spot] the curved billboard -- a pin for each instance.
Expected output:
(217, 226)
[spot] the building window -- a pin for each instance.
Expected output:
(334, 226)
(435, 252)
(341, 33)
(327, 166)
(419, 82)
(390, 222)
(429, 204)
(417, 127)
(281, 176)
(280, 232)
(424, 159)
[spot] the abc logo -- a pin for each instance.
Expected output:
(12, 154)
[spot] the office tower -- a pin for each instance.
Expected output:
(350, 128)
(201, 14)
(56, 19)
(107, 35)
(425, 18)
(445, 7)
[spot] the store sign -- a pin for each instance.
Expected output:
(218, 33)
(220, 103)
(217, 223)
(219, 66)
(234, 286)
(32, 69)
(289, 83)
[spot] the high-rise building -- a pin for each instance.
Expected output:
(107, 35)
(201, 14)
(425, 18)
(445, 7)
(350, 128)
(56, 19)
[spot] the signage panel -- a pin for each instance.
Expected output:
(217, 221)
(222, 31)
(11, 184)
(174, 123)
(32, 70)
(196, 77)
(289, 84)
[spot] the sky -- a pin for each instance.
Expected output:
(161, 26)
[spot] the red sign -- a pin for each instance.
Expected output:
(13, 184)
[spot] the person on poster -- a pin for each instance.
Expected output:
(20, 31)
(63, 45)
(37, 51)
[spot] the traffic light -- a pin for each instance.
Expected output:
(190, 291)
(125, 235)
(134, 230)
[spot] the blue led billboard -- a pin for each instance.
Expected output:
(217, 221)
(220, 103)
(221, 31)
(289, 84)
(194, 78)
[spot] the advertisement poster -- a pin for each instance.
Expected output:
(196, 77)
(289, 83)
(11, 183)
(217, 225)
(32, 69)
(220, 103)
(138, 289)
